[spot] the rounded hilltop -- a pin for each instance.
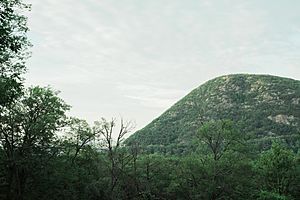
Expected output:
(263, 107)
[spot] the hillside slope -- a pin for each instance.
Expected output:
(263, 106)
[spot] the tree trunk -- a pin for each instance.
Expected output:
(16, 181)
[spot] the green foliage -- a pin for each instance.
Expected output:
(190, 152)
(222, 168)
(220, 137)
(13, 48)
(262, 107)
(277, 168)
(264, 195)
(224, 159)
(26, 134)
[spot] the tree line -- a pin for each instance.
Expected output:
(45, 154)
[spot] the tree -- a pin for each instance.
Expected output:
(78, 136)
(27, 132)
(223, 159)
(116, 156)
(13, 48)
(277, 170)
(220, 137)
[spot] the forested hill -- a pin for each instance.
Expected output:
(262, 106)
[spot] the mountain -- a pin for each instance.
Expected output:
(262, 106)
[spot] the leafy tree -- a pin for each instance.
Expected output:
(26, 136)
(277, 170)
(78, 135)
(220, 137)
(189, 180)
(224, 159)
(13, 48)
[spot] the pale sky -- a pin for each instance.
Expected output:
(136, 58)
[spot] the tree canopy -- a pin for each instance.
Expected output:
(47, 154)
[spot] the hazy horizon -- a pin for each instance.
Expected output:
(135, 59)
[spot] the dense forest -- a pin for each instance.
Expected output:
(263, 107)
(46, 154)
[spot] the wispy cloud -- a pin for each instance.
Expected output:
(152, 96)
(149, 54)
